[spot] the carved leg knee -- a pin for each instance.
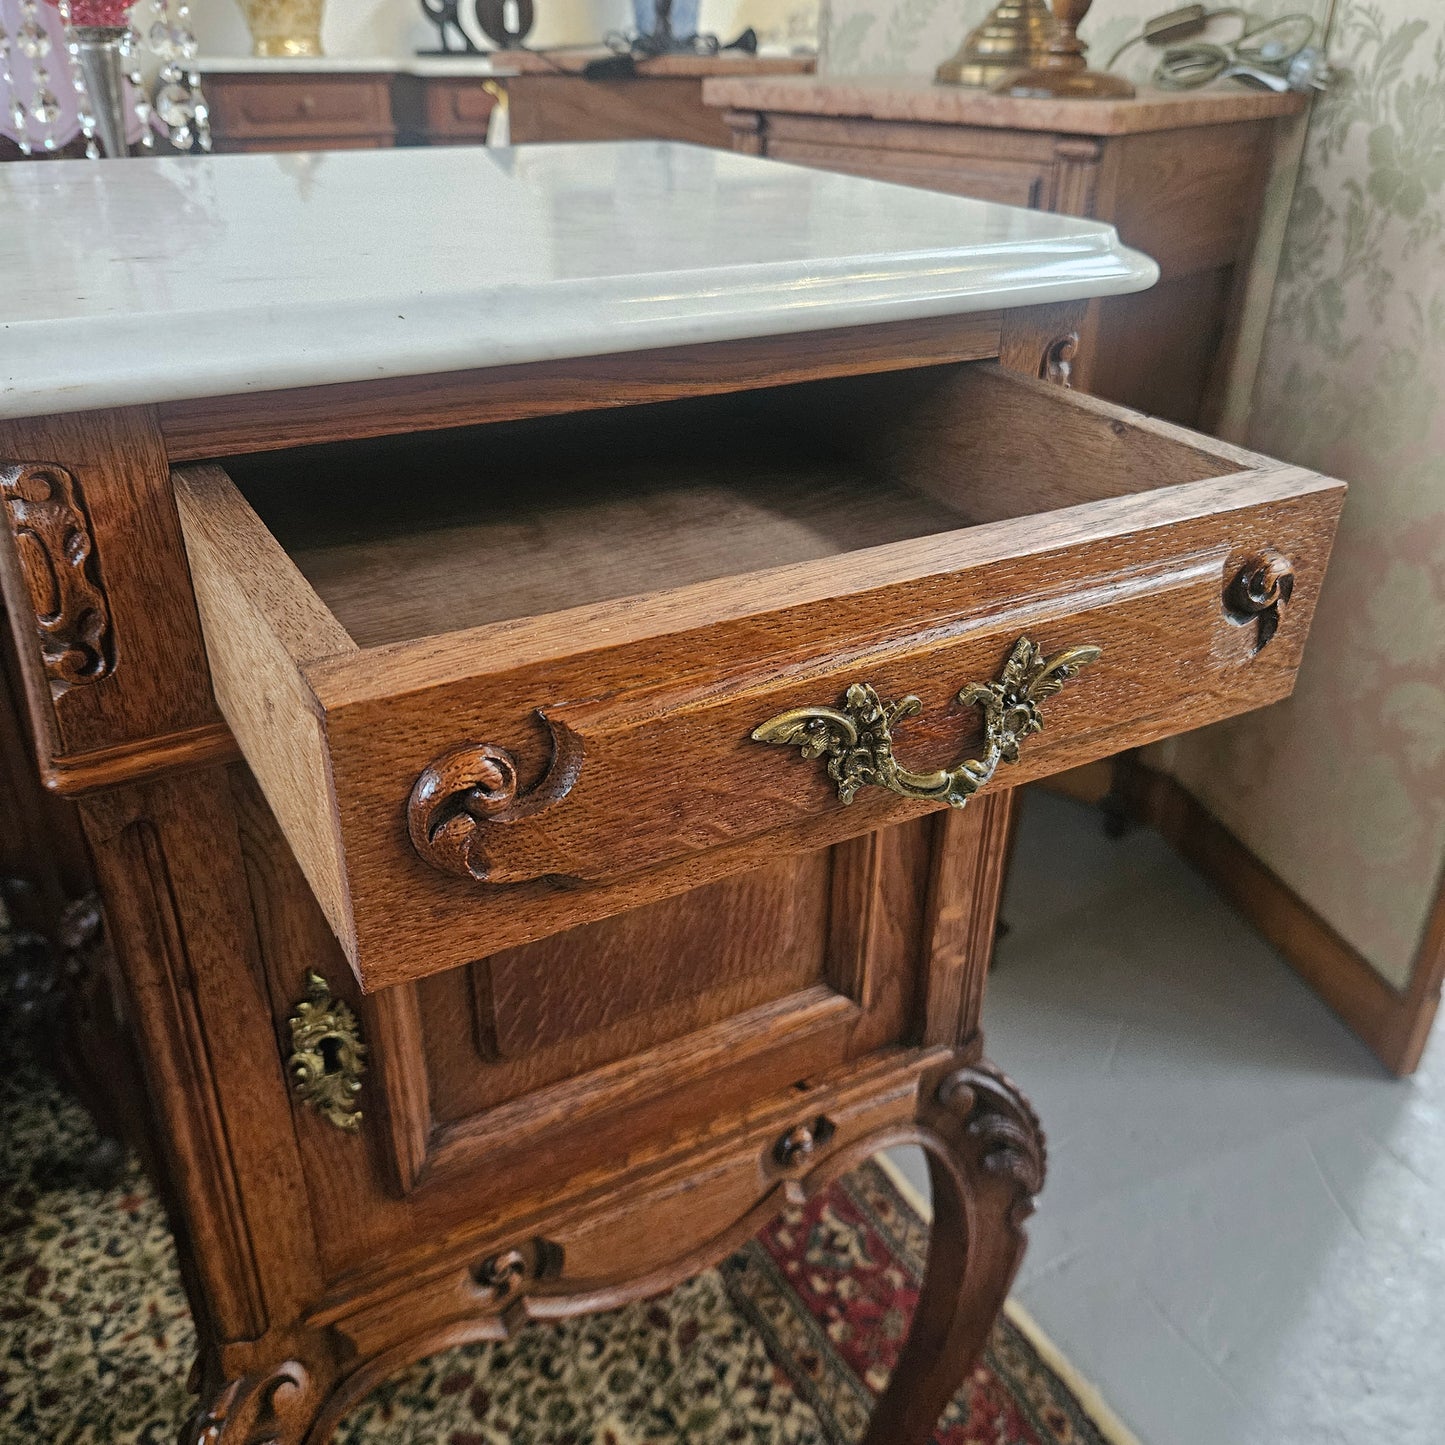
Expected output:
(986, 1164)
(274, 1407)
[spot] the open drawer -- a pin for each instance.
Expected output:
(501, 682)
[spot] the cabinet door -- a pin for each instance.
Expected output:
(742, 1010)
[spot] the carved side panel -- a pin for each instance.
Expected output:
(1057, 365)
(57, 557)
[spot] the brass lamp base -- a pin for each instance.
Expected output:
(1063, 70)
(1046, 82)
(1014, 37)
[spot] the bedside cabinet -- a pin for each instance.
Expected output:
(279, 105)
(1182, 176)
(549, 759)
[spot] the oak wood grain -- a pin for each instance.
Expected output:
(268, 422)
(917, 615)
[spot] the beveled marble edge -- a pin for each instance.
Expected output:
(570, 320)
(112, 312)
(912, 98)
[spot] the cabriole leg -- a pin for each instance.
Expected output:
(986, 1164)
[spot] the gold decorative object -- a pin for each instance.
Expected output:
(857, 740)
(327, 1056)
(1014, 37)
(1063, 70)
(284, 27)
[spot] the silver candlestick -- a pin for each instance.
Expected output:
(99, 51)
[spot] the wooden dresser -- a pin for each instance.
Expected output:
(287, 105)
(1182, 177)
(345, 104)
(523, 730)
(552, 100)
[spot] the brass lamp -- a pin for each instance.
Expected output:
(1014, 37)
(1063, 70)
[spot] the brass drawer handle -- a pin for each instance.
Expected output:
(858, 739)
(327, 1056)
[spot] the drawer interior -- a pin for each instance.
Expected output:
(503, 681)
(407, 538)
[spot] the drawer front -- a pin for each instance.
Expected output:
(600, 758)
(314, 105)
(1011, 183)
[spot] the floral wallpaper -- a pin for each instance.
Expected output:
(1341, 790)
(882, 37)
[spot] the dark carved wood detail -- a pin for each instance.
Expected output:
(254, 1410)
(500, 1275)
(798, 1146)
(1259, 591)
(62, 573)
(475, 786)
(1057, 363)
(1001, 1125)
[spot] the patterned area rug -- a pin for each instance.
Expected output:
(785, 1344)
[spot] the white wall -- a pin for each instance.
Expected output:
(398, 27)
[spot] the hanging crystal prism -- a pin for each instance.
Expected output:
(104, 45)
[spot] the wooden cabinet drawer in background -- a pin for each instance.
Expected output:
(507, 680)
(1182, 175)
(323, 111)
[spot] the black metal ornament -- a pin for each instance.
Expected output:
(444, 14)
(506, 23)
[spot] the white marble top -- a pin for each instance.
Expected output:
(142, 281)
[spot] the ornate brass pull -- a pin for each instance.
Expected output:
(327, 1056)
(857, 740)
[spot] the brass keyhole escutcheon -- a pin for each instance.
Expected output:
(327, 1056)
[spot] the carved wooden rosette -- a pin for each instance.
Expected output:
(254, 1410)
(1259, 591)
(57, 558)
(1057, 363)
(476, 786)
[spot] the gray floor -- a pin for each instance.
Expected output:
(1242, 1241)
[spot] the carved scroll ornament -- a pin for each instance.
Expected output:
(1000, 1126)
(857, 739)
(475, 787)
(1259, 592)
(57, 558)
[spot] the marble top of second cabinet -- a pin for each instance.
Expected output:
(161, 280)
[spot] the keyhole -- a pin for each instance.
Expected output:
(330, 1049)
